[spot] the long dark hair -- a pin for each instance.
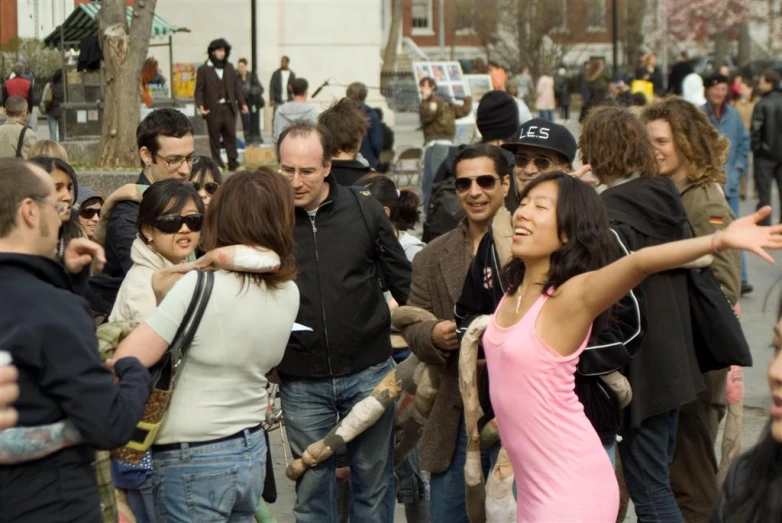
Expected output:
(582, 219)
(403, 204)
(168, 196)
(756, 493)
(202, 167)
(70, 229)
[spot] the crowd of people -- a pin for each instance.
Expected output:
(206, 289)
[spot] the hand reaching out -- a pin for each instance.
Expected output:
(746, 234)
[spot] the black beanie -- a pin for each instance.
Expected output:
(498, 116)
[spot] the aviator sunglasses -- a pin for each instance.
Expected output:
(171, 223)
(209, 187)
(523, 160)
(484, 181)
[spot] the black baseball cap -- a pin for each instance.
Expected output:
(545, 134)
(715, 79)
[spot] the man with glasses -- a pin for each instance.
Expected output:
(50, 336)
(345, 246)
(482, 180)
(541, 147)
(166, 150)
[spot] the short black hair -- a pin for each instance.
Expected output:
(305, 128)
(483, 150)
(773, 77)
(428, 80)
(168, 196)
(162, 122)
(299, 86)
(203, 165)
(242, 61)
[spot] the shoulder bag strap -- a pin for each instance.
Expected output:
(20, 143)
(200, 300)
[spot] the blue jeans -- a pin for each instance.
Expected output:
(647, 455)
(733, 203)
(610, 449)
(142, 501)
(412, 489)
(548, 114)
(448, 488)
(214, 482)
(312, 408)
(54, 124)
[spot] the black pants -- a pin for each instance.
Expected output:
(766, 170)
(564, 112)
(221, 124)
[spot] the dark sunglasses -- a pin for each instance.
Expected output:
(171, 223)
(88, 214)
(542, 163)
(484, 181)
(209, 187)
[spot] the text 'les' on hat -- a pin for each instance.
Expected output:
(545, 134)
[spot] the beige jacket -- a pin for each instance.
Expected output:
(9, 138)
(136, 300)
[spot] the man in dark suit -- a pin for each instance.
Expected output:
(679, 71)
(280, 84)
(217, 93)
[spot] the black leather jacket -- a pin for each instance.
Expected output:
(766, 130)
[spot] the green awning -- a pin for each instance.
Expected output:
(81, 22)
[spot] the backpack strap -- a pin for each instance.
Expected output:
(20, 143)
(372, 229)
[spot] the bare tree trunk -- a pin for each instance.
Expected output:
(389, 53)
(720, 50)
(745, 44)
(124, 51)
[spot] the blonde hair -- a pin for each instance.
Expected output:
(704, 148)
(49, 148)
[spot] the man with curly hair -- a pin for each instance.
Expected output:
(727, 120)
(691, 153)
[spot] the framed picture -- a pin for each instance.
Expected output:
(422, 70)
(444, 91)
(455, 72)
(438, 73)
(458, 91)
(479, 85)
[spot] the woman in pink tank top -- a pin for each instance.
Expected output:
(561, 285)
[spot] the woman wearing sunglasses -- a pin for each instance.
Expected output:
(169, 230)
(66, 185)
(206, 178)
(88, 207)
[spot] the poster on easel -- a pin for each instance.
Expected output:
(183, 83)
(452, 87)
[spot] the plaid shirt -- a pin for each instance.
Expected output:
(108, 502)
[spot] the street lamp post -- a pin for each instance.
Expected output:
(254, 134)
(615, 37)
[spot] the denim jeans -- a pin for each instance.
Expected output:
(312, 408)
(733, 203)
(54, 124)
(548, 114)
(647, 454)
(142, 501)
(411, 489)
(434, 155)
(610, 449)
(447, 488)
(214, 482)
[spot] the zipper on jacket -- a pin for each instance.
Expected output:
(320, 288)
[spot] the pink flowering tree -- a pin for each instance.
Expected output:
(698, 20)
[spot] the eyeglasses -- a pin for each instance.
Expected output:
(88, 214)
(484, 181)
(290, 172)
(171, 223)
(541, 162)
(60, 207)
(176, 162)
(209, 187)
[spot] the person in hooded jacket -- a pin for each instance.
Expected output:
(646, 210)
(217, 93)
(49, 332)
(296, 109)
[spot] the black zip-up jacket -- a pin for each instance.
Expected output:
(50, 334)
(766, 127)
(340, 254)
(608, 350)
(121, 231)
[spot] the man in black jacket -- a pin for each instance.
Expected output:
(679, 72)
(166, 149)
(541, 147)
(345, 244)
(372, 141)
(50, 334)
(280, 84)
(766, 135)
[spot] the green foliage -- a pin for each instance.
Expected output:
(38, 59)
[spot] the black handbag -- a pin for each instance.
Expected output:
(716, 331)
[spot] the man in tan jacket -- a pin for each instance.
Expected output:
(482, 182)
(16, 137)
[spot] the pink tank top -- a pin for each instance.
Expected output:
(563, 474)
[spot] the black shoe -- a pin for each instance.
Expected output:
(746, 288)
